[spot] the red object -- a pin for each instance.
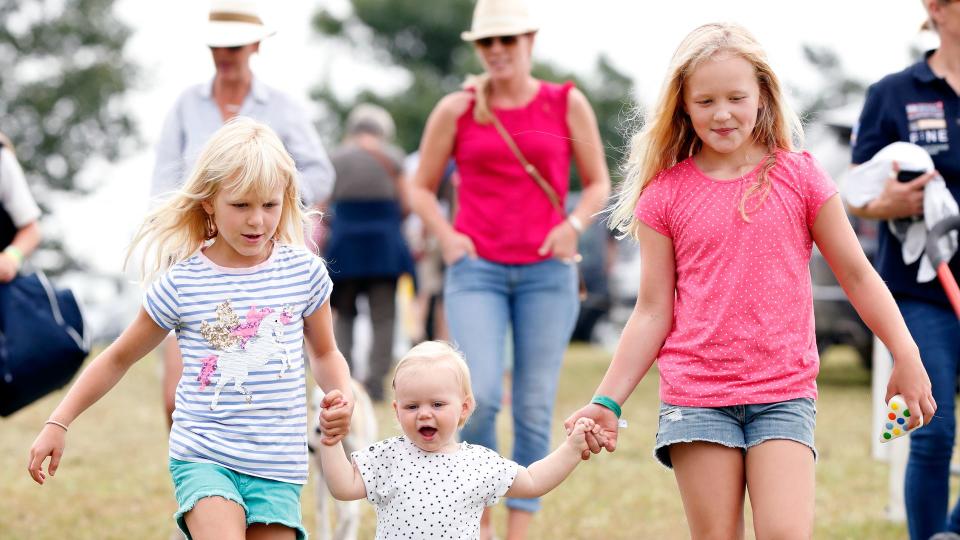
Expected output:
(950, 286)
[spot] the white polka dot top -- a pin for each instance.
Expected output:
(430, 495)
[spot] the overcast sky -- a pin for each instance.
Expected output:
(872, 38)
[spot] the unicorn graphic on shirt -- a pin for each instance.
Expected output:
(242, 345)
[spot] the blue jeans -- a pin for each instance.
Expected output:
(926, 488)
(539, 303)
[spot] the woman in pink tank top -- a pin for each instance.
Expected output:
(510, 250)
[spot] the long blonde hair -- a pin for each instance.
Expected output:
(668, 138)
(244, 156)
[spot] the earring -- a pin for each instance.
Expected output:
(211, 227)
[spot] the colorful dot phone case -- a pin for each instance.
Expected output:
(896, 420)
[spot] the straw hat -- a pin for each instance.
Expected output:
(234, 23)
(500, 18)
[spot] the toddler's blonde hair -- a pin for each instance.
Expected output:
(243, 156)
(431, 354)
(668, 138)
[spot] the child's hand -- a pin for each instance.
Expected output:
(910, 380)
(604, 433)
(577, 439)
(49, 443)
(335, 417)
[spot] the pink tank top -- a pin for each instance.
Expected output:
(501, 208)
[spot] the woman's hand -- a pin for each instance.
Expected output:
(899, 199)
(560, 243)
(455, 246)
(8, 268)
(604, 437)
(49, 443)
(335, 417)
(910, 380)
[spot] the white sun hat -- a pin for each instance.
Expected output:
(234, 23)
(500, 18)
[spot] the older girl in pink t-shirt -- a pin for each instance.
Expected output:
(726, 214)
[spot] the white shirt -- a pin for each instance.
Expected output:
(196, 116)
(14, 194)
(432, 495)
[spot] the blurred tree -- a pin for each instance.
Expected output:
(836, 88)
(64, 72)
(423, 38)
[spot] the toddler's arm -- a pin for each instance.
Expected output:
(104, 371)
(544, 475)
(342, 477)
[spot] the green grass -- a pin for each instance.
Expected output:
(113, 482)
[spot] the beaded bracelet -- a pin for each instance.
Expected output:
(607, 402)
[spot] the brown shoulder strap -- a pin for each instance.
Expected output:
(527, 166)
(384, 161)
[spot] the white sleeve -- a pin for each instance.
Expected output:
(303, 143)
(168, 169)
(374, 464)
(15, 196)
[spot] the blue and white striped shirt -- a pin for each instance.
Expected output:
(241, 401)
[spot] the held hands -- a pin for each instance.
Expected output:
(901, 199)
(561, 242)
(602, 435)
(577, 438)
(456, 246)
(49, 443)
(910, 380)
(335, 416)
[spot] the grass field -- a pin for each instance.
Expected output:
(113, 482)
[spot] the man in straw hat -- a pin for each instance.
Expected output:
(233, 33)
(511, 249)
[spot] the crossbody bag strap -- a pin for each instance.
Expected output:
(392, 169)
(527, 166)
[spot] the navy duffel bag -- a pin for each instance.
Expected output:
(42, 340)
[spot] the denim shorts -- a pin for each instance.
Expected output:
(736, 426)
(263, 500)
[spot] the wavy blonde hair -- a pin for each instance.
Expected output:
(243, 156)
(668, 138)
(427, 355)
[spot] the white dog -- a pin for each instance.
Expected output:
(363, 433)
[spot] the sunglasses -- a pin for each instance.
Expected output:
(488, 42)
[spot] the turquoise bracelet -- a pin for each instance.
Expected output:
(608, 403)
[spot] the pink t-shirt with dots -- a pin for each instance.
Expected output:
(743, 328)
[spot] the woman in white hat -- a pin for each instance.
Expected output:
(511, 248)
(233, 33)
(921, 105)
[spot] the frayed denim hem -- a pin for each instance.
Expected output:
(178, 515)
(816, 454)
(662, 455)
(301, 532)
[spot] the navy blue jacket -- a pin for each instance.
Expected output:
(913, 105)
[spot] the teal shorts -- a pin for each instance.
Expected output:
(263, 500)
